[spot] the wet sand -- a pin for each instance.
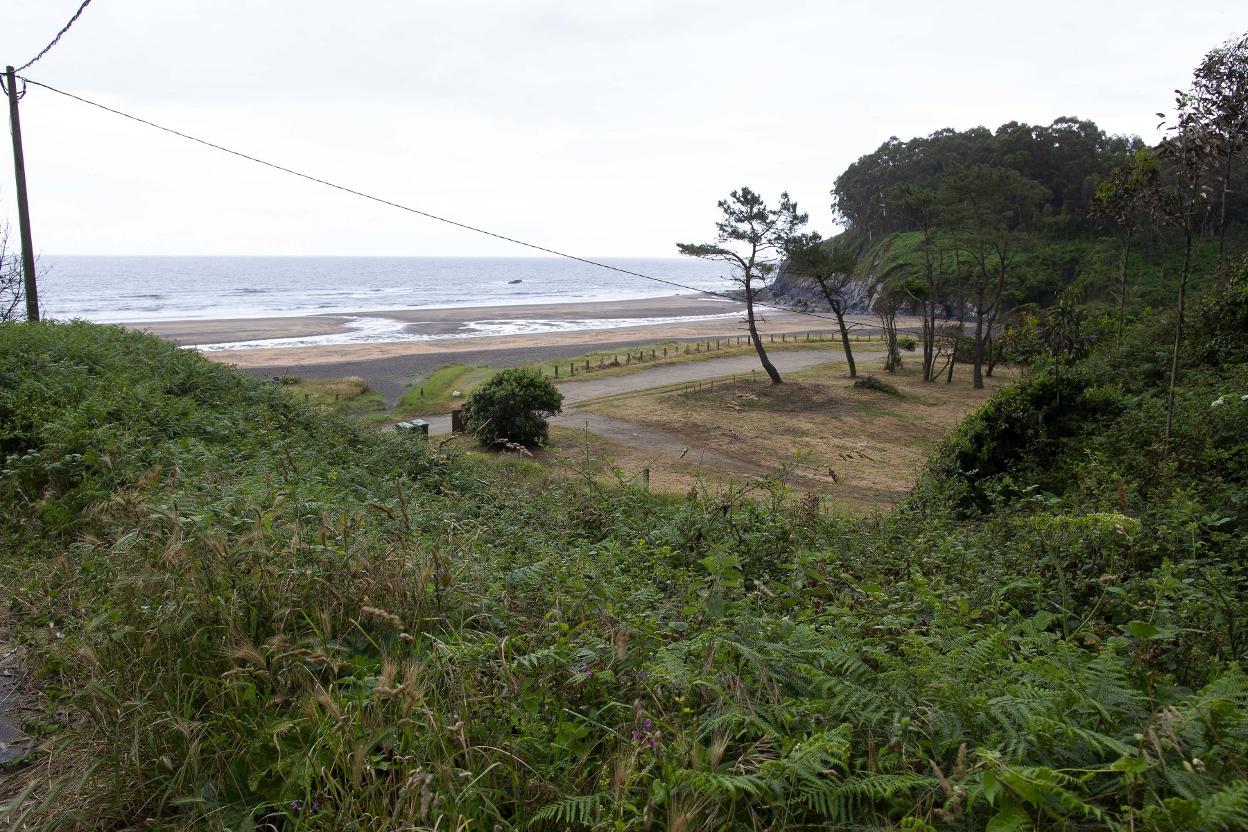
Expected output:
(444, 321)
(388, 367)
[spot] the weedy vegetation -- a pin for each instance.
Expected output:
(242, 613)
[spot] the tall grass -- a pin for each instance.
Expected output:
(248, 615)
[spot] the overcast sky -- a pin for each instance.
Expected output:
(600, 127)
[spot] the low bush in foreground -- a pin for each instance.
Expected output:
(245, 615)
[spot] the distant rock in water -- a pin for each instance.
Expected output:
(513, 282)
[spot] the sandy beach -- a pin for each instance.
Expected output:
(445, 336)
(443, 324)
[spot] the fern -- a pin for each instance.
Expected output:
(577, 809)
(1226, 808)
(853, 797)
(722, 784)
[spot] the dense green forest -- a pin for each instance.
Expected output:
(978, 232)
(1066, 242)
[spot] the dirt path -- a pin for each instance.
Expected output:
(578, 392)
(13, 743)
(659, 443)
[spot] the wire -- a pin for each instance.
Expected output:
(58, 37)
(417, 211)
(5, 87)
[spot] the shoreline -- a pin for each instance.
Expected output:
(433, 323)
(389, 366)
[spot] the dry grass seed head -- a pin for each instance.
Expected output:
(379, 614)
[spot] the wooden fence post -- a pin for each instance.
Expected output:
(645, 478)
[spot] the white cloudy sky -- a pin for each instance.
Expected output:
(602, 127)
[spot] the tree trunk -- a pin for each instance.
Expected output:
(1178, 336)
(849, 352)
(1122, 285)
(977, 371)
(892, 360)
(929, 342)
(929, 307)
(992, 354)
(1226, 183)
(768, 367)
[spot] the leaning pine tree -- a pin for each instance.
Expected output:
(831, 271)
(752, 239)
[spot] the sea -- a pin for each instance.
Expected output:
(108, 289)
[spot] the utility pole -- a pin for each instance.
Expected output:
(23, 205)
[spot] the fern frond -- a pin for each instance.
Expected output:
(577, 809)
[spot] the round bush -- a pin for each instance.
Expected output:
(512, 407)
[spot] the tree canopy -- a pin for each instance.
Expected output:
(1067, 157)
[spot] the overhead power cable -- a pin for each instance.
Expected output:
(58, 37)
(417, 211)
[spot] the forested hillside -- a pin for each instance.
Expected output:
(978, 232)
(1068, 241)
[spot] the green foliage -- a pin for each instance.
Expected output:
(512, 407)
(1025, 421)
(1063, 157)
(1221, 321)
(244, 614)
(433, 393)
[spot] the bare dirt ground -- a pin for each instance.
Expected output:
(861, 449)
(14, 700)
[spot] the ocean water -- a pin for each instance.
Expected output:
(117, 289)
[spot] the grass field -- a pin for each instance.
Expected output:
(350, 395)
(861, 448)
(432, 393)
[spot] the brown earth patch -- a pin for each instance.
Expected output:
(860, 448)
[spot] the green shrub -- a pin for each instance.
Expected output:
(1218, 337)
(1019, 426)
(907, 343)
(512, 407)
